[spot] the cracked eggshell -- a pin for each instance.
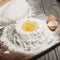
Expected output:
(51, 18)
(52, 28)
(52, 23)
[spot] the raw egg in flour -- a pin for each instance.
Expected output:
(28, 26)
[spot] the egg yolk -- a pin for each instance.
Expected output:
(28, 26)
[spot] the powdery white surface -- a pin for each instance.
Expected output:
(16, 10)
(25, 42)
(4, 21)
(13, 10)
(6, 52)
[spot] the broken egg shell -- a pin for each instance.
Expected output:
(51, 18)
(52, 28)
(53, 25)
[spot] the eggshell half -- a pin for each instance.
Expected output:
(53, 25)
(51, 18)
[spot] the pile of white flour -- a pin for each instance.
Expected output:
(39, 40)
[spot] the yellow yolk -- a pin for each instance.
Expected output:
(28, 26)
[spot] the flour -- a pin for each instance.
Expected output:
(6, 52)
(25, 42)
(16, 10)
(13, 10)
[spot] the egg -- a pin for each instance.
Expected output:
(26, 25)
(52, 23)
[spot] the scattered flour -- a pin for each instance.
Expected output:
(30, 42)
(6, 52)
